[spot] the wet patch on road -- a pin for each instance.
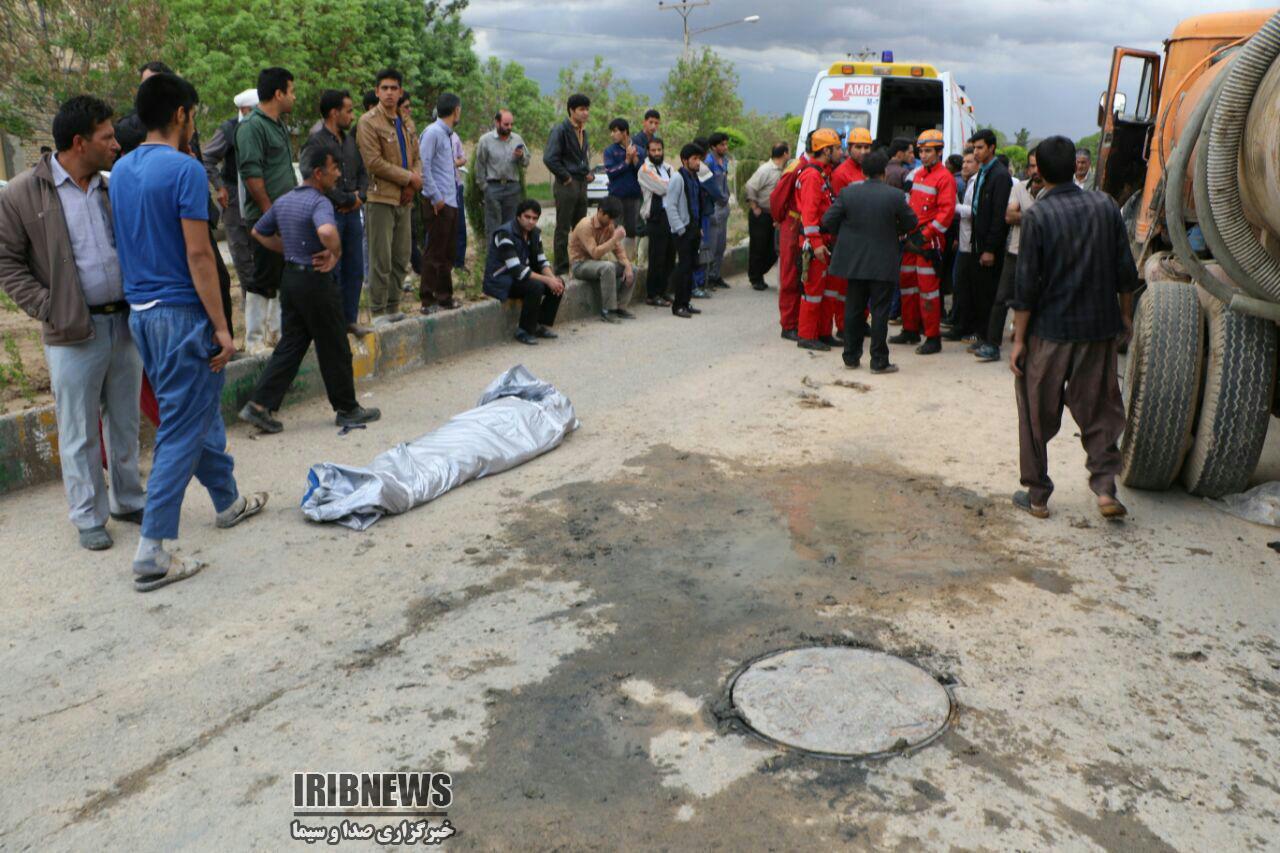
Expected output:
(706, 563)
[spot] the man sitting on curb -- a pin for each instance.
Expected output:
(302, 227)
(517, 266)
(595, 238)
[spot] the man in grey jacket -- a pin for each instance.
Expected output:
(868, 219)
(58, 262)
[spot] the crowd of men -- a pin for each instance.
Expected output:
(135, 299)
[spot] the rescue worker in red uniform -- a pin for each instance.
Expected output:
(789, 260)
(933, 201)
(818, 305)
(850, 171)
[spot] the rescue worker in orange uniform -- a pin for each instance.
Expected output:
(818, 304)
(789, 258)
(933, 201)
(850, 171)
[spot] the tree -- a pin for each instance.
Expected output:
(1001, 139)
(611, 97)
(1017, 156)
(53, 49)
(1090, 143)
(1022, 137)
(702, 92)
(497, 85)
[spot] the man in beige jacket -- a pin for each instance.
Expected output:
(389, 147)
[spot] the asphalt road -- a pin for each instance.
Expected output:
(558, 637)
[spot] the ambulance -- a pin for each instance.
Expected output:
(890, 99)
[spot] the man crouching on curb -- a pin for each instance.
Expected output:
(1073, 305)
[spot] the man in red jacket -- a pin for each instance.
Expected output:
(813, 196)
(933, 201)
(850, 171)
(788, 219)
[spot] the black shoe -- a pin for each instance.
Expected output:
(693, 310)
(905, 338)
(545, 332)
(853, 362)
(886, 367)
(931, 346)
(790, 335)
(810, 343)
(720, 283)
(624, 314)
(134, 517)
(658, 302)
(609, 318)
(681, 311)
(953, 334)
(260, 418)
(759, 285)
(525, 338)
(832, 340)
(357, 416)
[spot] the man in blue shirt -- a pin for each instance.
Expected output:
(440, 189)
(716, 239)
(622, 164)
(161, 202)
(302, 227)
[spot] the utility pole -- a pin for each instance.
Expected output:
(683, 7)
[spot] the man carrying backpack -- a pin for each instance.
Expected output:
(782, 207)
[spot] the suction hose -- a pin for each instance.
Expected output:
(1227, 232)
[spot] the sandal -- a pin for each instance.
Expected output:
(178, 570)
(1022, 501)
(253, 505)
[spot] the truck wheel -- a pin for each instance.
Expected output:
(1239, 379)
(1161, 385)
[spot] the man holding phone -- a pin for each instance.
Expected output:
(500, 155)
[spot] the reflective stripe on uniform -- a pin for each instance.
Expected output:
(910, 291)
(926, 271)
(830, 293)
(906, 268)
(811, 229)
(924, 188)
(938, 227)
(512, 263)
(524, 273)
(932, 294)
(807, 298)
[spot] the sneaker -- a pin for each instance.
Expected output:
(810, 343)
(974, 347)
(931, 346)
(358, 415)
(700, 293)
(790, 335)
(905, 338)
(260, 418)
(884, 368)
(987, 352)
(624, 314)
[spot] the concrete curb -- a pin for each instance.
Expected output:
(29, 440)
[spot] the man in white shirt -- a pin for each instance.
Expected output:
(966, 325)
(1020, 200)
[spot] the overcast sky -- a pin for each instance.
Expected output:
(1038, 64)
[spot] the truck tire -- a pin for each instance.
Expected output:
(1235, 409)
(1161, 385)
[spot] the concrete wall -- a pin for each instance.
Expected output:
(29, 440)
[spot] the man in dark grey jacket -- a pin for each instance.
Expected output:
(568, 158)
(868, 219)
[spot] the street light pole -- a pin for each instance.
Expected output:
(683, 7)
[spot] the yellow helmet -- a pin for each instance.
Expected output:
(824, 137)
(860, 136)
(931, 138)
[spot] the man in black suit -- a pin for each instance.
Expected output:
(868, 219)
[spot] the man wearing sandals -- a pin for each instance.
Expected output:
(160, 198)
(1073, 304)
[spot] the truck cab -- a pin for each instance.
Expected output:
(889, 99)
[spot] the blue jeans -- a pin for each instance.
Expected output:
(460, 256)
(176, 343)
(349, 272)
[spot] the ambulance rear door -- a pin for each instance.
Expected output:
(842, 104)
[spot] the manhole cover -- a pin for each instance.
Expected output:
(841, 701)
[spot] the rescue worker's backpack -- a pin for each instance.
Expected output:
(782, 199)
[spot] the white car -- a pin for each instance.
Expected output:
(598, 187)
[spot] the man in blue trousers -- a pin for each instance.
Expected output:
(160, 197)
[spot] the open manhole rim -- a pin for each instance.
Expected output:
(734, 715)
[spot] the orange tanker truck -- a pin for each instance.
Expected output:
(1190, 149)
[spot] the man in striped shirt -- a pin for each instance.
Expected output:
(517, 266)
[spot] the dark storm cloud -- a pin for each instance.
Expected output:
(1027, 63)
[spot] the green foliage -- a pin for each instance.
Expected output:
(1001, 139)
(611, 97)
(1090, 143)
(53, 49)
(1017, 156)
(473, 202)
(743, 170)
(737, 139)
(762, 133)
(1022, 137)
(702, 92)
(497, 85)
(7, 303)
(793, 125)
(13, 372)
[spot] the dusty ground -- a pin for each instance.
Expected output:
(559, 636)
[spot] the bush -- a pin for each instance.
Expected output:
(745, 169)
(737, 139)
